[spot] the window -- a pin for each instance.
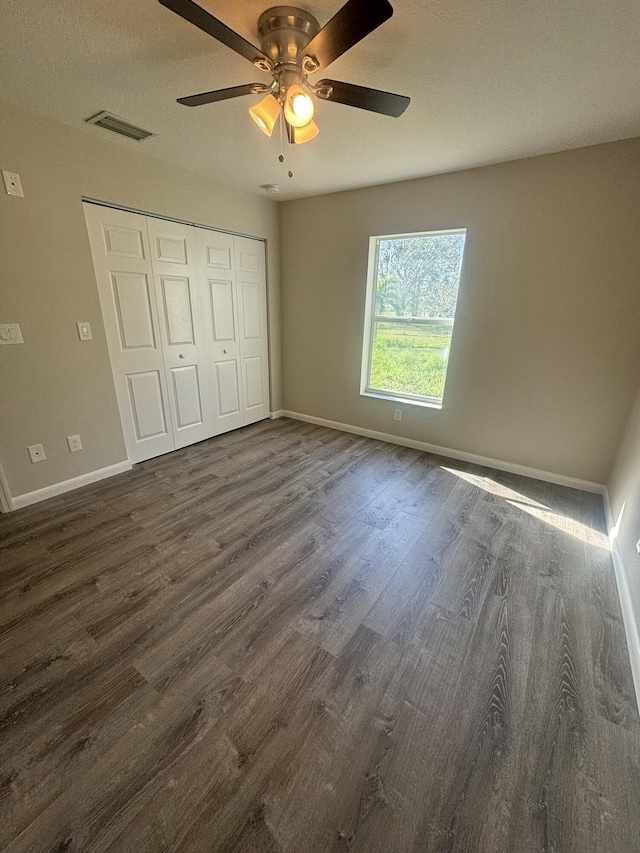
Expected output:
(411, 304)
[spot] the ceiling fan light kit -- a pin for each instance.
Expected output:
(298, 106)
(292, 47)
(299, 135)
(266, 113)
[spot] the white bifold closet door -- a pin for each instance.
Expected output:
(235, 314)
(181, 330)
(252, 311)
(185, 318)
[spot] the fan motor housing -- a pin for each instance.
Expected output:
(284, 31)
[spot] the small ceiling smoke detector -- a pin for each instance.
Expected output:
(119, 125)
(272, 189)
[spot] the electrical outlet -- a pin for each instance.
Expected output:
(397, 414)
(36, 452)
(10, 333)
(12, 183)
(74, 442)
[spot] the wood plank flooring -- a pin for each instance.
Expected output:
(293, 640)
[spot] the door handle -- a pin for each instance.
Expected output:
(181, 355)
(225, 351)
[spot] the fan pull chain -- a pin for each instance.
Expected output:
(281, 155)
(290, 172)
(291, 142)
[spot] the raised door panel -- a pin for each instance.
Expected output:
(122, 261)
(171, 249)
(251, 311)
(123, 242)
(147, 410)
(253, 383)
(218, 256)
(132, 302)
(215, 250)
(178, 310)
(228, 388)
(222, 311)
(186, 389)
(248, 256)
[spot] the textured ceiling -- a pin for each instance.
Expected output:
(489, 81)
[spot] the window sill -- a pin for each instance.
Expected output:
(406, 401)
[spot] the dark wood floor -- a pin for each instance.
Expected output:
(296, 640)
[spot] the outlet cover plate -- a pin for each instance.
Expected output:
(36, 452)
(74, 442)
(12, 183)
(10, 333)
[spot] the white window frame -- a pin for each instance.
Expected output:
(370, 319)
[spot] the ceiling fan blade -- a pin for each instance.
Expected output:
(351, 24)
(374, 100)
(198, 16)
(223, 94)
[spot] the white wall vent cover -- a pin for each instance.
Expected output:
(119, 125)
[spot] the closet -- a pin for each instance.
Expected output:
(185, 314)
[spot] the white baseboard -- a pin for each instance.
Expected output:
(69, 485)
(628, 615)
(534, 473)
(277, 414)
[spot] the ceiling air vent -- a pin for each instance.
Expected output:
(119, 125)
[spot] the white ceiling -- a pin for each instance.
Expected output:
(490, 81)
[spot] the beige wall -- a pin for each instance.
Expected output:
(624, 495)
(53, 385)
(543, 368)
(543, 365)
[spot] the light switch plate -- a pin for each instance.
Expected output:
(10, 333)
(12, 183)
(84, 332)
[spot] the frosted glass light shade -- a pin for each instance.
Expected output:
(306, 133)
(298, 107)
(265, 114)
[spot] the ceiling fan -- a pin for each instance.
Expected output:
(292, 47)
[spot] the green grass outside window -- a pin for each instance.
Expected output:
(410, 359)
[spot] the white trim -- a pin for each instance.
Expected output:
(392, 397)
(442, 233)
(69, 485)
(277, 414)
(109, 204)
(624, 594)
(534, 473)
(6, 501)
(369, 305)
